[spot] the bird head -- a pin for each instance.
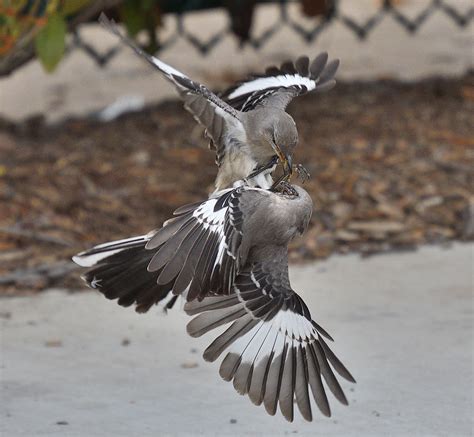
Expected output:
(274, 132)
(283, 140)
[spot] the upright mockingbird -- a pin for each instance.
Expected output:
(227, 257)
(248, 127)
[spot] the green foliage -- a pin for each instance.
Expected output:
(138, 15)
(43, 25)
(70, 7)
(132, 16)
(50, 42)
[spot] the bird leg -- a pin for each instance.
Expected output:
(287, 172)
(283, 178)
(261, 168)
(302, 173)
(300, 170)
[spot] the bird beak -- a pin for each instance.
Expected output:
(288, 165)
(286, 161)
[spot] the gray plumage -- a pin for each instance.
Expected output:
(248, 127)
(227, 256)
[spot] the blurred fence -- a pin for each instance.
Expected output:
(331, 13)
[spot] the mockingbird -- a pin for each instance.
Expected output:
(227, 257)
(249, 126)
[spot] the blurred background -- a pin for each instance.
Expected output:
(95, 145)
(90, 134)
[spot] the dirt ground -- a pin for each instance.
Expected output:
(391, 164)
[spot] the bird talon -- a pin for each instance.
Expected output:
(302, 173)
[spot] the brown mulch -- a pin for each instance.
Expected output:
(392, 168)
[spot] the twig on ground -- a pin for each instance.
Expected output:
(32, 235)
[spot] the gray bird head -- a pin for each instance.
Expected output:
(274, 131)
(285, 138)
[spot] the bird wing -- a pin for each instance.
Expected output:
(278, 86)
(199, 250)
(275, 351)
(220, 120)
(196, 252)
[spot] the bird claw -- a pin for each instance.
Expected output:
(285, 188)
(302, 173)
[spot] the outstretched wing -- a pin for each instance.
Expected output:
(278, 86)
(193, 254)
(276, 352)
(199, 250)
(221, 121)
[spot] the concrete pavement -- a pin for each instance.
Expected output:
(79, 365)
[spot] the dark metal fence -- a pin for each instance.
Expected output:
(331, 14)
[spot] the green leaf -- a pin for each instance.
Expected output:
(50, 42)
(70, 7)
(132, 17)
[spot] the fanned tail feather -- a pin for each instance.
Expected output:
(275, 352)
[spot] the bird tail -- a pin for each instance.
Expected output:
(118, 270)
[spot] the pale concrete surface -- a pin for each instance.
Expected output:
(79, 86)
(403, 324)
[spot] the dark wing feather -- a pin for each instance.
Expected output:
(195, 253)
(221, 121)
(278, 86)
(119, 271)
(275, 353)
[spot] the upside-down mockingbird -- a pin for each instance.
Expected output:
(227, 257)
(248, 127)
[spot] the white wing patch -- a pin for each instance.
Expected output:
(209, 218)
(167, 69)
(295, 325)
(282, 81)
(93, 256)
(284, 328)
(214, 221)
(84, 260)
